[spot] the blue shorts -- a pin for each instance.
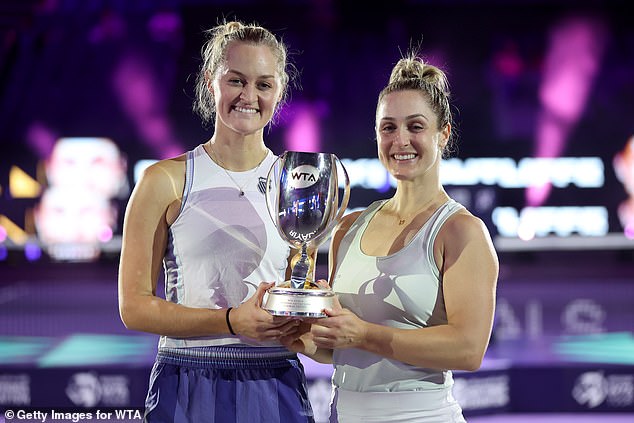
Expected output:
(227, 384)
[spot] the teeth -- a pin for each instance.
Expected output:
(243, 110)
(404, 156)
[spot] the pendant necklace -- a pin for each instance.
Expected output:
(403, 219)
(222, 165)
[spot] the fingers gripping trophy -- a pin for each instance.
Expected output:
(304, 201)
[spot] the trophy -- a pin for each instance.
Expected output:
(302, 197)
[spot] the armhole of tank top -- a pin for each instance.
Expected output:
(360, 224)
(447, 210)
(189, 178)
(363, 219)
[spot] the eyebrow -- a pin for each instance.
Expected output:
(243, 75)
(414, 116)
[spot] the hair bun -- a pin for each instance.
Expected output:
(232, 26)
(413, 68)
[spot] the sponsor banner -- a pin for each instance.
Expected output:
(73, 388)
(483, 392)
(573, 389)
(15, 389)
(531, 310)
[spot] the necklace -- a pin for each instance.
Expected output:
(407, 217)
(222, 165)
(402, 220)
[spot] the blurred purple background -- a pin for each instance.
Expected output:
(529, 78)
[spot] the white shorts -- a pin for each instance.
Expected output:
(431, 406)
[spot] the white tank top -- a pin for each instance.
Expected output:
(221, 245)
(401, 290)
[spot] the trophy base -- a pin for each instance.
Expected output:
(298, 302)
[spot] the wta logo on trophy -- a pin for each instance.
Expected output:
(303, 176)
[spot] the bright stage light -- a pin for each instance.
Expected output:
(76, 214)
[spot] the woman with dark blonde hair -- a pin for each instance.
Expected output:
(415, 275)
(202, 216)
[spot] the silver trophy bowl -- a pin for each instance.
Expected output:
(304, 201)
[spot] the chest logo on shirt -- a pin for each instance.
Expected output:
(303, 176)
(262, 185)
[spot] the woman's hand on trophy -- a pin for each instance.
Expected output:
(323, 284)
(252, 321)
(341, 328)
(300, 341)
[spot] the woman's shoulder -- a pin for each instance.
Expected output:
(164, 176)
(166, 168)
(463, 224)
(348, 220)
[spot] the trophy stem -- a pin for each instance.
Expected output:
(300, 270)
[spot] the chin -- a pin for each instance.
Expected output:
(247, 129)
(399, 176)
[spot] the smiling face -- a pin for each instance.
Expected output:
(409, 141)
(246, 88)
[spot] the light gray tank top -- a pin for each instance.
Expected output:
(402, 290)
(221, 245)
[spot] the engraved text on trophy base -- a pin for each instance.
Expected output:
(298, 302)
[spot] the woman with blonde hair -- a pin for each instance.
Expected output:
(203, 217)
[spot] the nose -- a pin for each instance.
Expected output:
(248, 94)
(401, 138)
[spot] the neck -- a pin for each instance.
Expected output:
(238, 154)
(412, 199)
(405, 208)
